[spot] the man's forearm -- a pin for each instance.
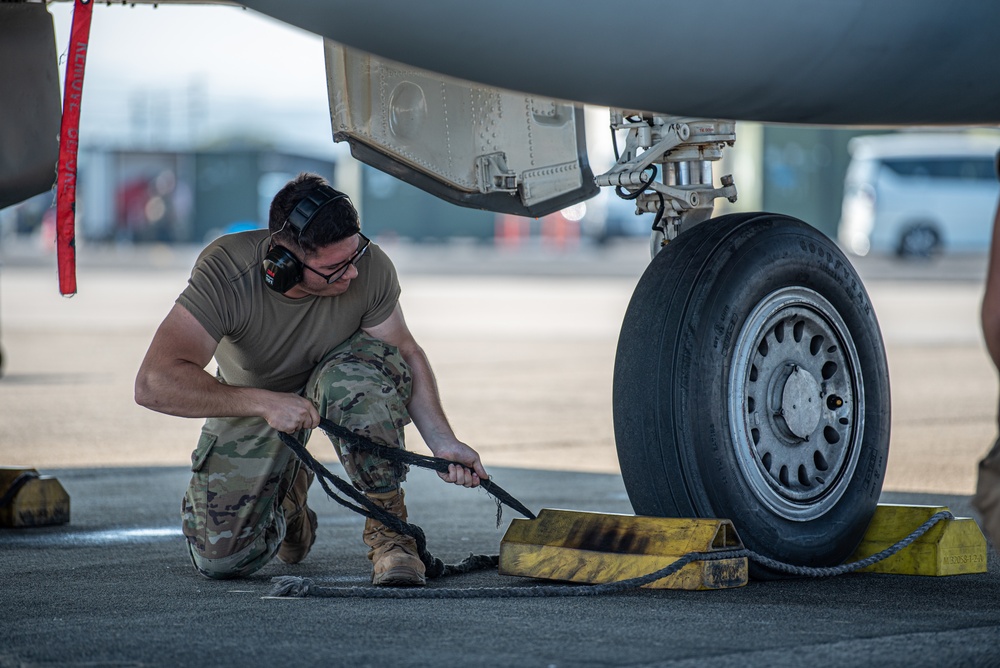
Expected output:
(425, 402)
(184, 390)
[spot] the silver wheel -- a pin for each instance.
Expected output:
(751, 384)
(796, 404)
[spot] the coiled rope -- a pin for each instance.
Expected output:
(292, 586)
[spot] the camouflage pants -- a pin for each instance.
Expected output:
(232, 515)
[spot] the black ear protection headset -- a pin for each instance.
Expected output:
(281, 270)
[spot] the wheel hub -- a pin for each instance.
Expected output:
(795, 394)
(800, 407)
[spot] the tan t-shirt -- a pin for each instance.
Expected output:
(266, 339)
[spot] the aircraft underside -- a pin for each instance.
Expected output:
(751, 381)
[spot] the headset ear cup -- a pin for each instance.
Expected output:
(281, 270)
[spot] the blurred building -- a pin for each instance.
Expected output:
(169, 196)
(181, 196)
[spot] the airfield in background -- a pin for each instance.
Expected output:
(523, 343)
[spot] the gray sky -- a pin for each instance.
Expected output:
(175, 74)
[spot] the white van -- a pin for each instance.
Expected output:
(916, 194)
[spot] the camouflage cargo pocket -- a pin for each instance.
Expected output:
(240, 472)
(193, 508)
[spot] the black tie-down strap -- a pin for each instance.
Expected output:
(363, 506)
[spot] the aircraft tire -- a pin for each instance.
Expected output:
(751, 384)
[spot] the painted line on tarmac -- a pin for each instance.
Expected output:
(64, 538)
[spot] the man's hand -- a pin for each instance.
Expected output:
(469, 475)
(289, 412)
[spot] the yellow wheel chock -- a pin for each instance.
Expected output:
(952, 547)
(596, 548)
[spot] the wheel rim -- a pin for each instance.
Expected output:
(795, 404)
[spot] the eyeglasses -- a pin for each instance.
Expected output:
(340, 271)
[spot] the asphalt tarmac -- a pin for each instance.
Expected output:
(114, 588)
(523, 346)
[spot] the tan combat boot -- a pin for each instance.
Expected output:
(300, 520)
(394, 556)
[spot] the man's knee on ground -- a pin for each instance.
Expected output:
(225, 568)
(241, 563)
(208, 569)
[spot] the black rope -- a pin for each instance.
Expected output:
(290, 586)
(364, 506)
(832, 571)
(15, 486)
